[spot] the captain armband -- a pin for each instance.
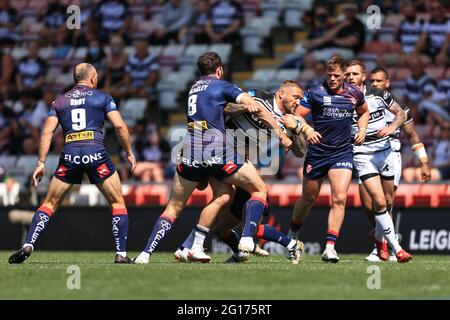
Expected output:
(420, 152)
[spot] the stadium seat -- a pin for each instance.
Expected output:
(200, 198)
(129, 194)
(353, 198)
(428, 195)
(151, 195)
(8, 162)
(271, 9)
(444, 198)
(91, 192)
(292, 15)
(404, 196)
(286, 74)
(324, 198)
(223, 49)
(261, 79)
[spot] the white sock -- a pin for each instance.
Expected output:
(247, 240)
(329, 246)
(199, 237)
(28, 245)
(122, 253)
(385, 227)
(145, 255)
(292, 244)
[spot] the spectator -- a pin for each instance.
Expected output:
(410, 28)
(54, 20)
(82, 36)
(176, 14)
(115, 69)
(6, 74)
(345, 39)
(96, 55)
(435, 38)
(142, 71)
(149, 156)
(224, 20)
(441, 160)
(8, 21)
(320, 73)
(29, 147)
(31, 72)
(6, 117)
(419, 86)
(110, 17)
(62, 46)
(40, 113)
(195, 31)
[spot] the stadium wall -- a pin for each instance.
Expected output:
(87, 228)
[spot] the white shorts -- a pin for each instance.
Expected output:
(397, 167)
(379, 163)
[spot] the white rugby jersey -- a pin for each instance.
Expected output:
(395, 137)
(248, 128)
(378, 102)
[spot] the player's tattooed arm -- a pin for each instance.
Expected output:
(399, 119)
(268, 119)
(299, 145)
(234, 109)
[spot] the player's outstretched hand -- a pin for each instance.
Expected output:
(360, 137)
(314, 137)
(37, 175)
(132, 160)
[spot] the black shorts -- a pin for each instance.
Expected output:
(200, 173)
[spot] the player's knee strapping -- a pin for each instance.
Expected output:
(120, 228)
(39, 222)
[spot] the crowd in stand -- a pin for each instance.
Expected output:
(109, 27)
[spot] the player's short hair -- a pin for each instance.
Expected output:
(382, 70)
(208, 63)
(291, 83)
(356, 62)
(82, 71)
(334, 62)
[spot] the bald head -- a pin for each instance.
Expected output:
(83, 72)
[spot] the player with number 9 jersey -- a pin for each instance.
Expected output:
(81, 112)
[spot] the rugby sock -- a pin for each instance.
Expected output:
(189, 241)
(199, 237)
(385, 227)
(231, 239)
(331, 238)
(254, 208)
(270, 233)
(293, 229)
(38, 224)
(120, 229)
(160, 230)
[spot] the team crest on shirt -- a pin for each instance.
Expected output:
(327, 100)
(308, 168)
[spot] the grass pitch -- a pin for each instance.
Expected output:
(45, 276)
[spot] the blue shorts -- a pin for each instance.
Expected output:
(200, 173)
(317, 167)
(76, 160)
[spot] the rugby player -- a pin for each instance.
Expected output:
(379, 79)
(81, 112)
(203, 155)
(374, 159)
(330, 150)
(284, 101)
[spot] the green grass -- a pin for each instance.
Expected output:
(44, 276)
